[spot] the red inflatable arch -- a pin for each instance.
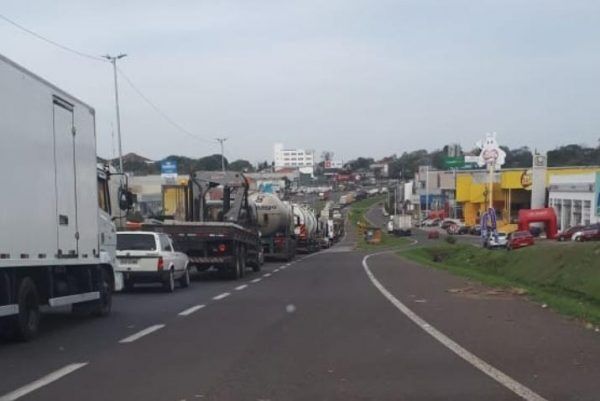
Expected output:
(546, 216)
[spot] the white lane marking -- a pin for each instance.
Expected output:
(275, 270)
(500, 377)
(44, 381)
(256, 280)
(284, 267)
(241, 287)
(221, 296)
(142, 333)
(191, 310)
(267, 275)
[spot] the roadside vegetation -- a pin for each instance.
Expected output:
(358, 219)
(565, 277)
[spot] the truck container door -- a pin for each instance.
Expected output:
(66, 178)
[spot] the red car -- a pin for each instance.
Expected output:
(567, 234)
(590, 233)
(519, 239)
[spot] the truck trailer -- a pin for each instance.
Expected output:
(57, 242)
(214, 233)
(275, 220)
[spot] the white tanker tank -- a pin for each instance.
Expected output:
(272, 214)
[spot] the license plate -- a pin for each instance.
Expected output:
(129, 261)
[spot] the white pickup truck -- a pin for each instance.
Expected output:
(145, 256)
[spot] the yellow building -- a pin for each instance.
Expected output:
(511, 191)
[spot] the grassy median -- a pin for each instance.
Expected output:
(566, 277)
(357, 215)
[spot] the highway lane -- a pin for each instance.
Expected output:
(317, 328)
(65, 337)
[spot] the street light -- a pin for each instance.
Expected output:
(113, 61)
(221, 140)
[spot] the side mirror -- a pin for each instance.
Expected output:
(125, 199)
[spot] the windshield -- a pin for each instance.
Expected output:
(136, 242)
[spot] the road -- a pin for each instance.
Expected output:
(329, 326)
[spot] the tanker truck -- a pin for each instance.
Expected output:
(276, 225)
(305, 228)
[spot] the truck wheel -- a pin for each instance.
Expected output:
(242, 262)
(25, 325)
(235, 268)
(103, 305)
(169, 283)
(184, 281)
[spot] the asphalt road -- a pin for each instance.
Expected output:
(330, 326)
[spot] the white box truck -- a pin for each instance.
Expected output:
(401, 224)
(57, 238)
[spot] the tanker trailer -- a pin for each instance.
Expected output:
(276, 225)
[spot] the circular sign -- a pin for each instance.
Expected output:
(527, 179)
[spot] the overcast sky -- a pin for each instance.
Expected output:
(355, 77)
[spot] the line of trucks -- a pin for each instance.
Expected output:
(58, 236)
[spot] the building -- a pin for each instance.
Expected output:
(435, 191)
(302, 159)
(516, 188)
(575, 198)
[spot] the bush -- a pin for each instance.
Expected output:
(451, 240)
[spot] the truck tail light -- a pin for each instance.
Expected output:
(222, 248)
(160, 265)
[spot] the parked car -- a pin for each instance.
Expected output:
(430, 223)
(449, 222)
(519, 239)
(145, 257)
(590, 233)
(567, 234)
(498, 240)
(475, 230)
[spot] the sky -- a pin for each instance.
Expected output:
(356, 77)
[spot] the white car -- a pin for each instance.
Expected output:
(145, 257)
(500, 240)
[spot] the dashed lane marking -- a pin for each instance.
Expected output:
(267, 275)
(142, 333)
(256, 280)
(191, 310)
(44, 381)
(483, 366)
(241, 287)
(221, 296)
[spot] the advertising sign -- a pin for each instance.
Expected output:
(597, 193)
(491, 154)
(168, 169)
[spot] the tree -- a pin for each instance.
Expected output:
(241, 165)
(362, 163)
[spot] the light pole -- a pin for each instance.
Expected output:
(113, 61)
(221, 140)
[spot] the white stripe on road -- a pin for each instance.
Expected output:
(44, 381)
(500, 377)
(256, 280)
(191, 310)
(283, 267)
(142, 333)
(221, 296)
(267, 275)
(275, 270)
(241, 287)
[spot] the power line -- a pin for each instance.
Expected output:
(160, 112)
(61, 46)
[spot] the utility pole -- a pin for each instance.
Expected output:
(221, 140)
(113, 61)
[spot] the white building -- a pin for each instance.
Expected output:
(575, 199)
(302, 159)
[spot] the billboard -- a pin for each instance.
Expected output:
(168, 169)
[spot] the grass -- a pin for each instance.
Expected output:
(566, 277)
(357, 215)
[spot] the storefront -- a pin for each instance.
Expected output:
(575, 198)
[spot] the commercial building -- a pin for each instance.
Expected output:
(575, 198)
(302, 159)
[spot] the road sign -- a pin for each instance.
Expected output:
(454, 162)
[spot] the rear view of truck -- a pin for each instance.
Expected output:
(275, 220)
(213, 223)
(56, 246)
